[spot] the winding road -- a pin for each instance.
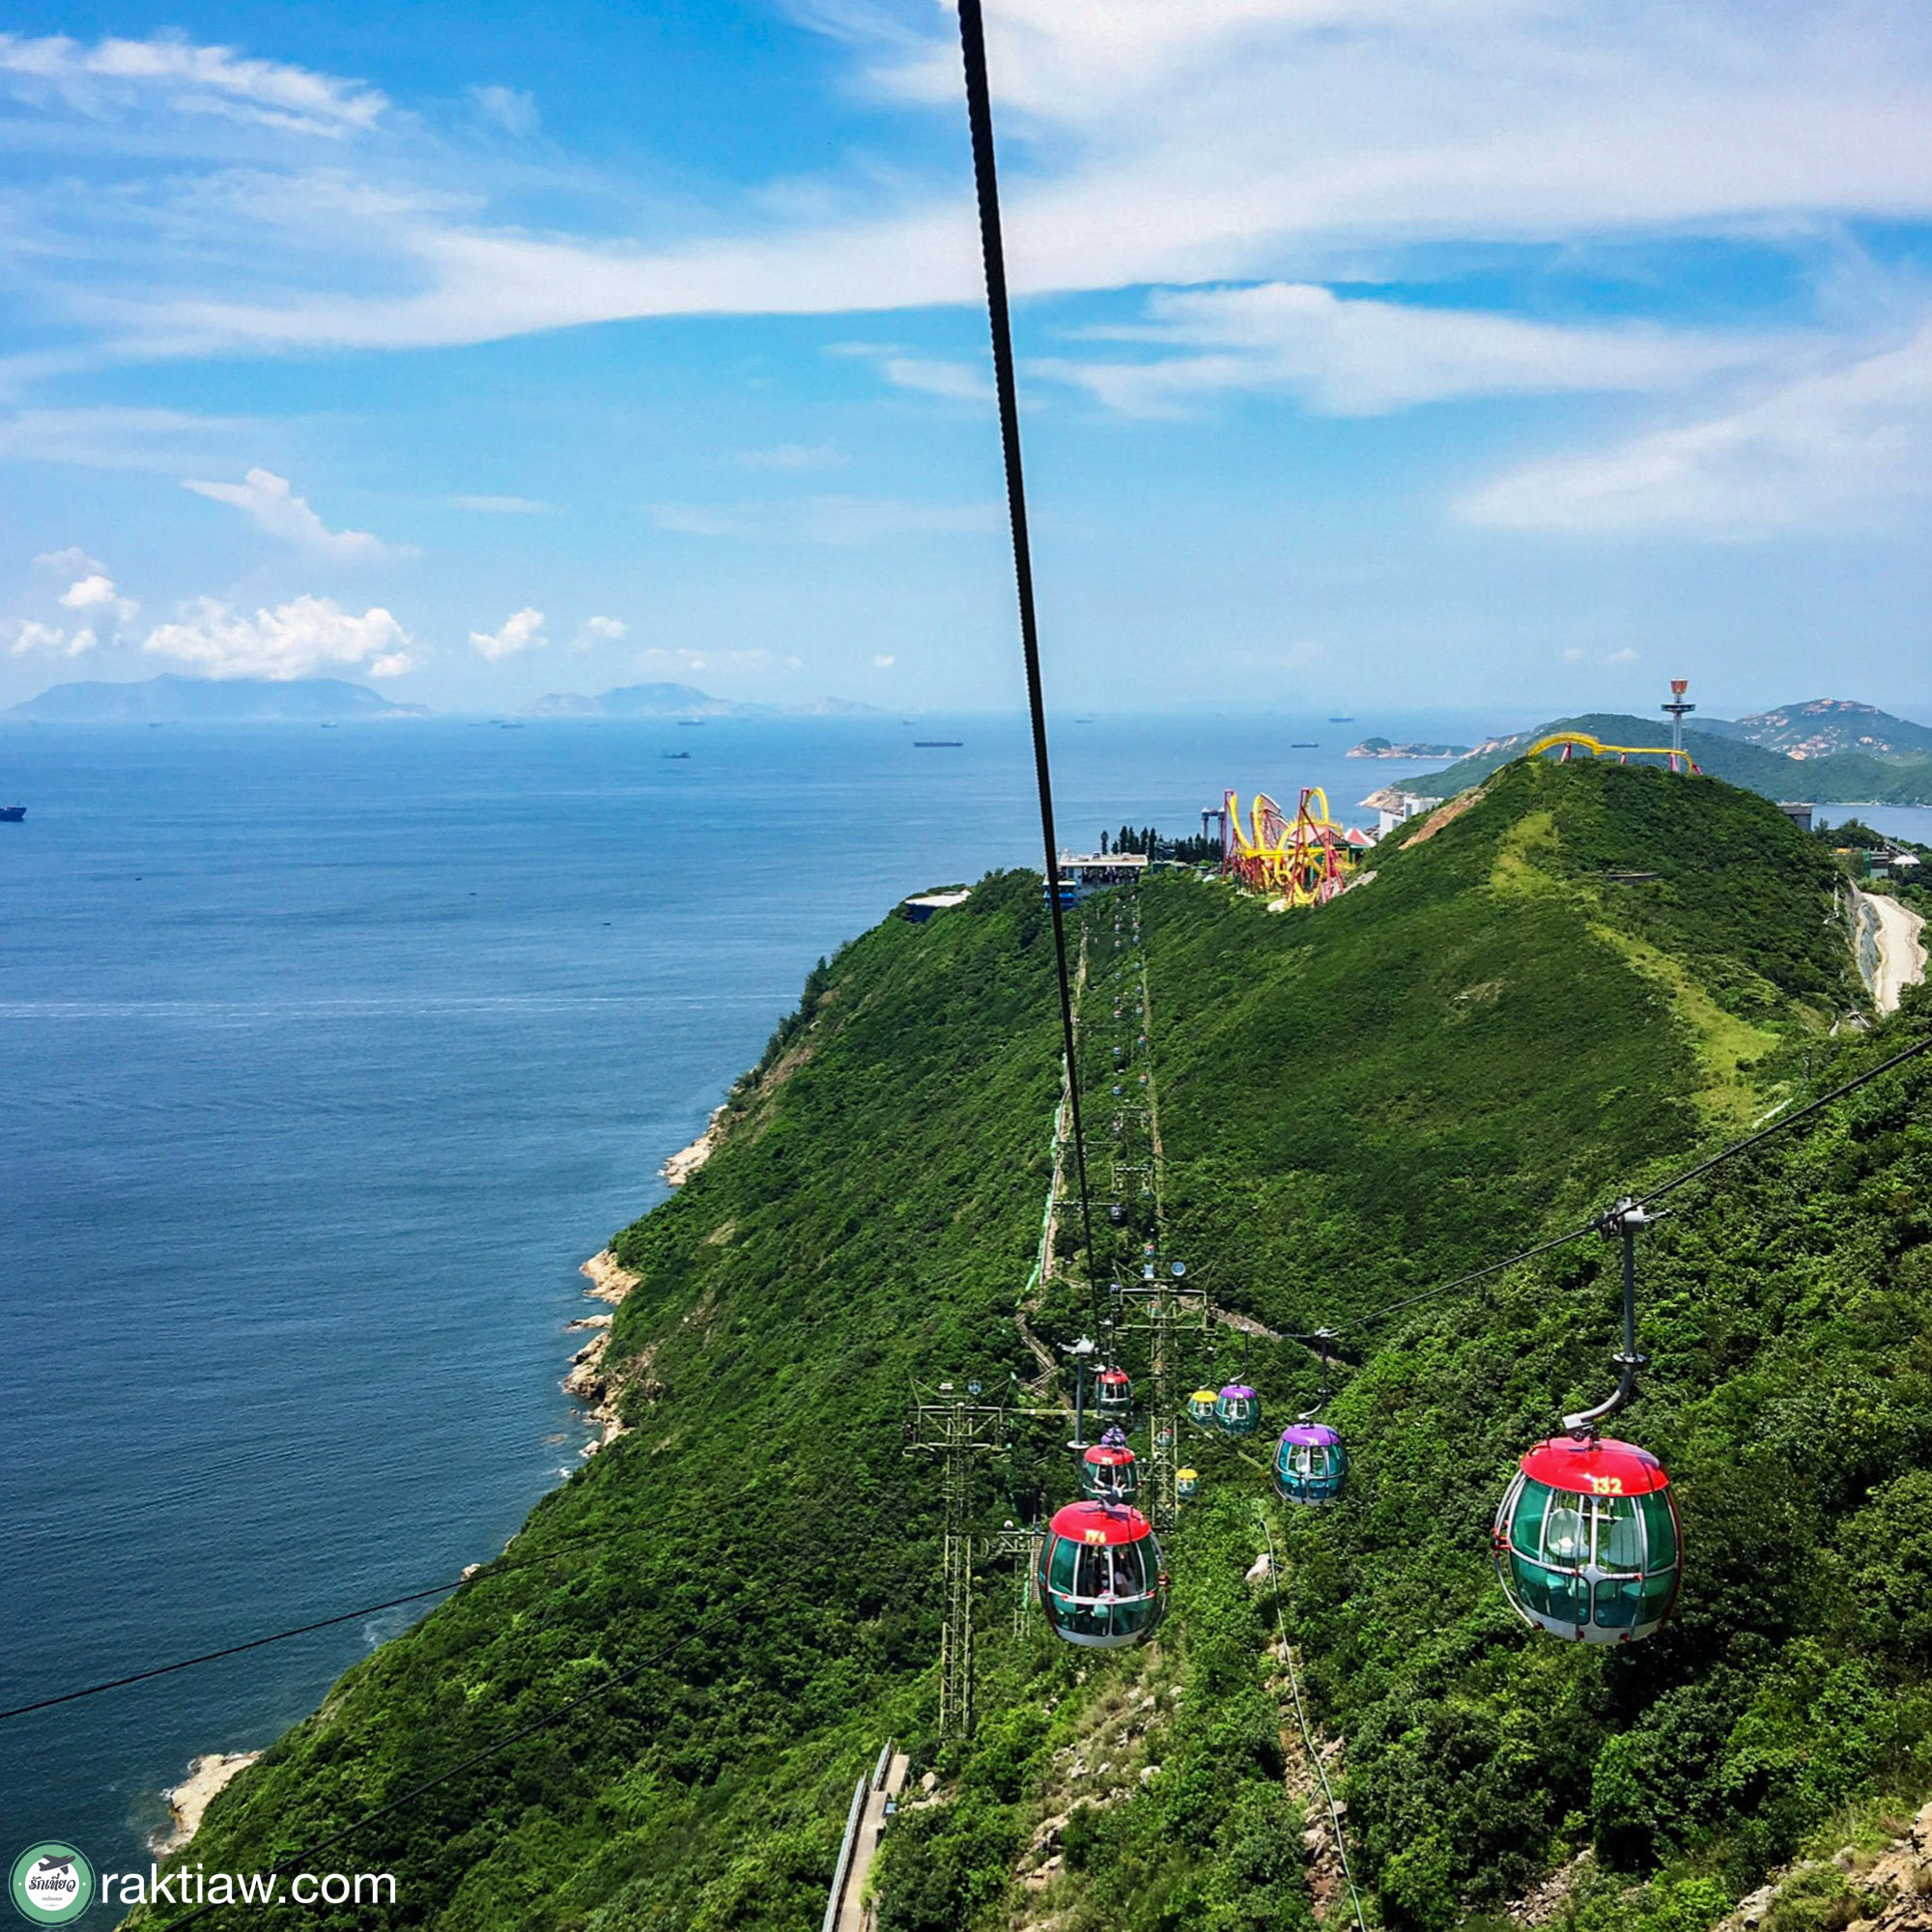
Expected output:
(1889, 940)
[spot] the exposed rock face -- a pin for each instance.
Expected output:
(686, 1162)
(190, 1799)
(588, 1380)
(609, 1280)
(1893, 1888)
(1545, 1902)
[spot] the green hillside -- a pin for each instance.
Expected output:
(1845, 776)
(1482, 1044)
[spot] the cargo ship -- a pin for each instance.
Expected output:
(12, 814)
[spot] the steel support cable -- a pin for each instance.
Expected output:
(987, 190)
(1656, 1193)
(1301, 1717)
(483, 1572)
(230, 1650)
(1791, 1120)
(297, 1860)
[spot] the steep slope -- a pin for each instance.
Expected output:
(1472, 1049)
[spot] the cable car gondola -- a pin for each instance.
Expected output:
(1186, 1484)
(1310, 1463)
(1201, 1407)
(1101, 1579)
(1587, 1540)
(1109, 1472)
(1116, 1393)
(1237, 1410)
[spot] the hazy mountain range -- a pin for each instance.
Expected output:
(685, 700)
(172, 698)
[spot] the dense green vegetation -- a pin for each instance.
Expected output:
(1584, 977)
(1842, 777)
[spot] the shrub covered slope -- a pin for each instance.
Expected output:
(1586, 976)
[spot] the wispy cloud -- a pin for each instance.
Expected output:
(1843, 448)
(120, 76)
(931, 376)
(509, 108)
(270, 502)
(793, 458)
(1361, 357)
(111, 437)
(504, 506)
(294, 640)
(839, 522)
(1151, 144)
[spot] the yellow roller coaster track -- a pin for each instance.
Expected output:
(1597, 749)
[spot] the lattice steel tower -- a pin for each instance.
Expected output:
(956, 1428)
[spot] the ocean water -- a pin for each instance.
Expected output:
(1895, 821)
(326, 1056)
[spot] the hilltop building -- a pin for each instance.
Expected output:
(1393, 806)
(923, 905)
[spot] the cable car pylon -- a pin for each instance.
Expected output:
(956, 1427)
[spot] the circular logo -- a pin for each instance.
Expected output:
(52, 1884)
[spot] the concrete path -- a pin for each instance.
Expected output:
(1890, 943)
(854, 1914)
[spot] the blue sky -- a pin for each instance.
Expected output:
(1501, 354)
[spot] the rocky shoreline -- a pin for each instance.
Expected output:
(686, 1162)
(610, 1281)
(190, 1799)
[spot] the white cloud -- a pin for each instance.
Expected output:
(1356, 356)
(295, 639)
(1845, 448)
(1626, 655)
(271, 503)
(509, 108)
(885, 661)
(30, 636)
(523, 631)
(1576, 654)
(95, 592)
(595, 630)
(504, 506)
(124, 76)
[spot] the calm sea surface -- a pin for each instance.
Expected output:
(326, 1056)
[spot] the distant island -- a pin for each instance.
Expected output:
(1380, 747)
(174, 699)
(1825, 727)
(686, 700)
